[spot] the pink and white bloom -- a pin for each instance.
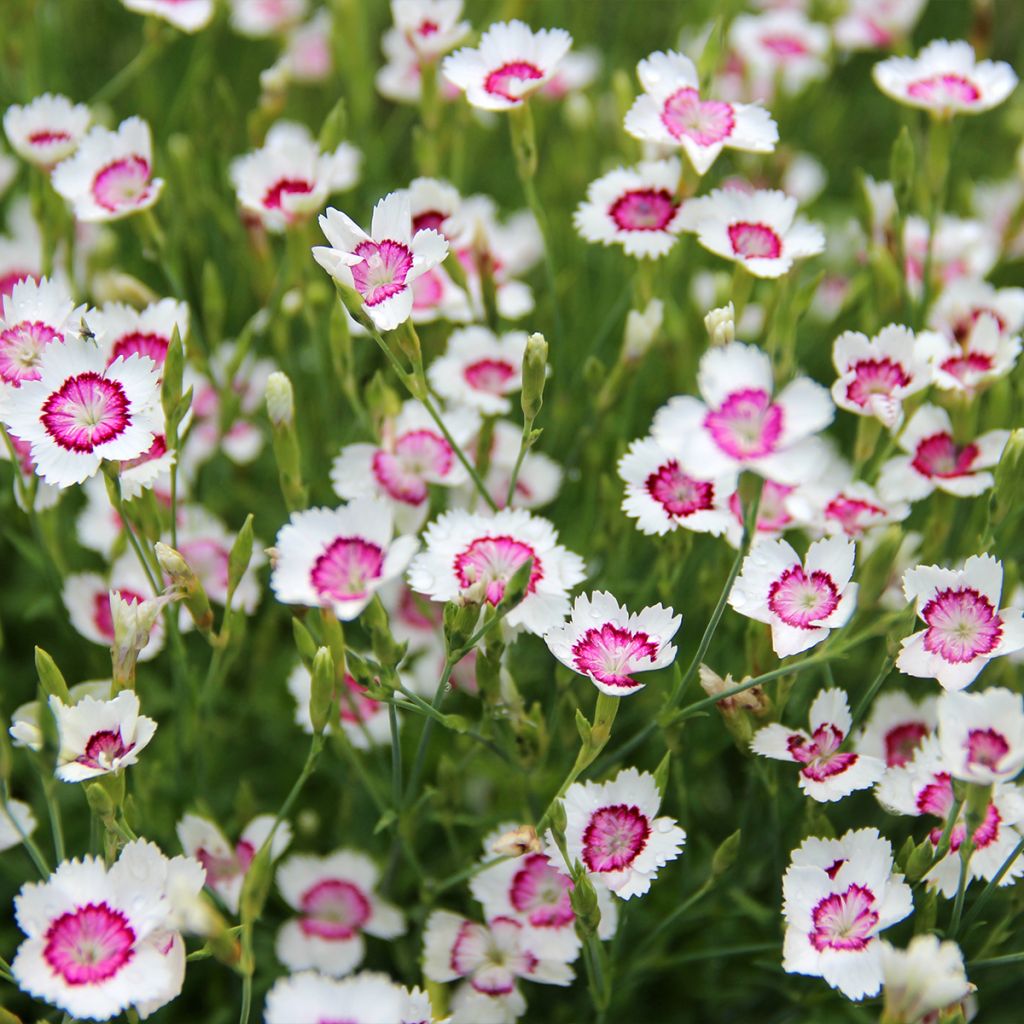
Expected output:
(635, 207)
(935, 461)
(985, 354)
(259, 19)
(306, 57)
(612, 830)
(110, 175)
(965, 628)
(774, 512)
(779, 46)
(896, 727)
(671, 112)
(473, 557)
(431, 27)
(661, 496)
(605, 642)
(802, 602)
(923, 786)
(336, 903)
(47, 130)
(946, 79)
(363, 720)
(186, 15)
(850, 508)
(759, 230)
(838, 895)
(964, 249)
(827, 772)
(99, 736)
(25, 730)
(922, 980)
(480, 369)
(876, 24)
(34, 315)
(876, 374)
(123, 330)
(368, 997)
(16, 822)
(226, 864)
(20, 249)
(337, 558)
(741, 424)
(981, 735)
(959, 307)
(510, 62)
(383, 265)
(492, 957)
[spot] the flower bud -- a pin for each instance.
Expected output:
(737, 710)
(305, 643)
(281, 413)
(256, 886)
(194, 594)
(518, 841)
(133, 623)
(721, 325)
(517, 587)
(388, 651)
(280, 399)
(557, 819)
(919, 862)
(725, 856)
(117, 286)
(535, 368)
(641, 330)
(50, 678)
(322, 690)
(240, 555)
(901, 169)
(583, 899)
(661, 774)
(332, 131)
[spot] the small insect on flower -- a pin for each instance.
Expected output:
(47, 130)
(336, 903)
(383, 265)
(337, 558)
(981, 735)
(828, 773)
(510, 62)
(802, 602)
(186, 15)
(965, 628)
(946, 79)
(368, 997)
(758, 230)
(838, 895)
(603, 641)
(612, 830)
(671, 112)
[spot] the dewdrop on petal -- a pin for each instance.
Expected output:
(721, 325)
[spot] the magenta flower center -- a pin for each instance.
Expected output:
(493, 561)
(611, 652)
(986, 748)
(121, 184)
(962, 625)
(680, 495)
(643, 209)
(510, 79)
(48, 137)
(614, 837)
(334, 909)
(968, 365)
(86, 411)
(901, 741)
(89, 944)
(346, 569)
(429, 220)
(875, 377)
(938, 456)
(820, 755)
(542, 893)
(20, 349)
(104, 749)
(707, 123)
(944, 90)
(495, 376)
(752, 241)
(383, 271)
(784, 46)
(844, 921)
(274, 197)
(803, 600)
(853, 514)
(747, 425)
(141, 343)
(222, 867)
(418, 455)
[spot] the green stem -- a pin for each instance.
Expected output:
(150, 50)
(990, 888)
(56, 822)
(997, 961)
(35, 854)
(396, 758)
(876, 685)
(524, 445)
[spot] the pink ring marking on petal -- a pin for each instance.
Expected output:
(873, 377)
(495, 376)
(986, 748)
(141, 343)
(844, 921)
(86, 411)
(901, 742)
(383, 271)
(493, 561)
(123, 183)
(751, 241)
(678, 494)
(614, 837)
(803, 600)
(939, 456)
(705, 123)
(345, 569)
(643, 209)
(21, 347)
(89, 945)
(610, 652)
(944, 89)
(747, 425)
(499, 81)
(962, 625)
(334, 909)
(541, 891)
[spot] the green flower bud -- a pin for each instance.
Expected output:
(281, 413)
(322, 690)
(50, 678)
(332, 132)
(583, 899)
(726, 854)
(902, 160)
(240, 555)
(256, 886)
(182, 576)
(535, 369)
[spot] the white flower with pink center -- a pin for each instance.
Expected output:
(100, 940)
(99, 736)
(613, 830)
(335, 903)
(775, 513)
(480, 369)
(759, 230)
(802, 601)
(363, 720)
(411, 456)
(26, 731)
(289, 179)
(935, 460)
(838, 896)
(985, 354)
(337, 558)
(34, 315)
(16, 821)
(491, 957)
(121, 330)
(877, 374)
(47, 130)
(661, 496)
(368, 997)
(964, 249)
(827, 771)
(742, 424)
(110, 176)
(635, 207)
(965, 627)
(383, 265)
(186, 15)
(852, 509)
(259, 19)
(779, 48)
(510, 62)
(539, 479)
(923, 787)
(896, 727)
(671, 112)
(226, 863)
(605, 642)
(876, 24)
(923, 980)
(470, 556)
(959, 307)
(981, 735)
(946, 79)
(306, 58)
(431, 27)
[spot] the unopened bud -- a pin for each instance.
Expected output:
(240, 555)
(133, 623)
(737, 709)
(460, 621)
(99, 801)
(256, 886)
(583, 899)
(641, 330)
(280, 399)
(322, 689)
(1008, 494)
(721, 325)
(281, 413)
(50, 677)
(193, 592)
(725, 856)
(919, 862)
(517, 587)
(518, 841)
(535, 369)
(901, 169)
(332, 131)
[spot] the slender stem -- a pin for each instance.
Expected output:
(990, 888)
(243, 1016)
(35, 854)
(428, 728)
(961, 889)
(865, 702)
(524, 445)
(56, 822)
(997, 961)
(132, 70)
(396, 758)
